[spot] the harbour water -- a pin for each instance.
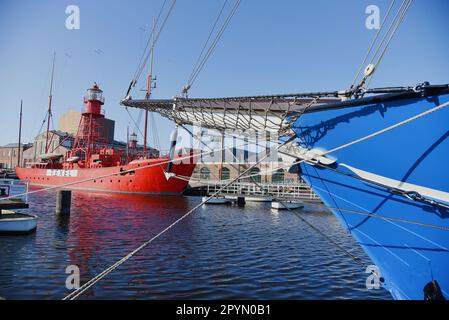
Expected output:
(219, 252)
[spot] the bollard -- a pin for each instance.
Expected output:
(241, 202)
(63, 202)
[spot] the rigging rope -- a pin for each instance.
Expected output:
(400, 20)
(389, 34)
(155, 39)
(155, 131)
(153, 29)
(207, 41)
(373, 42)
(199, 67)
(136, 125)
(151, 40)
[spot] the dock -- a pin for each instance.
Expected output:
(261, 191)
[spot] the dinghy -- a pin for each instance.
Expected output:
(13, 195)
(216, 200)
(259, 199)
(12, 223)
(286, 205)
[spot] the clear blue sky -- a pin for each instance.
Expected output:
(270, 47)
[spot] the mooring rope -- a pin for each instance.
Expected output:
(77, 293)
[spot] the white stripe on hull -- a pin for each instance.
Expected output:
(428, 192)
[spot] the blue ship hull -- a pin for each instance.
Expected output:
(407, 240)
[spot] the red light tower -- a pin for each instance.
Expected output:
(91, 135)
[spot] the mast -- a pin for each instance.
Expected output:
(149, 87)
(20, 135)
(50, 98)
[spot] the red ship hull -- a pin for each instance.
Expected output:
(151, 180)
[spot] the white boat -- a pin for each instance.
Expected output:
(12, 223)
(14, 195)
(216, 200)
(287, 205)
(259, 199)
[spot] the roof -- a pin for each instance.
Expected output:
(16, 145)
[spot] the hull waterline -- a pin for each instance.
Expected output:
(151, 180)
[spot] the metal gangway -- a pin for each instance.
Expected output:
(296, 191)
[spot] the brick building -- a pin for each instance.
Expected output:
(9, 155)
(210, 169)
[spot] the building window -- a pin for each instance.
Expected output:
(204, 173)
(225, 174)
(278, 176)
(255, 175)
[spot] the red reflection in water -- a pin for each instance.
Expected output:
(104, 223)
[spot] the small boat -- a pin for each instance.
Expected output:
(13, 195)
(216, 200)
(287, 205)
(259, 199)
(12, 223)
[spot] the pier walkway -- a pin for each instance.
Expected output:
(297, 191)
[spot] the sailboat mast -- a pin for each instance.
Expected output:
(149, 86)
(50, 100)
(19, 147)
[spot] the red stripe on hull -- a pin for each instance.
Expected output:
(144, 181)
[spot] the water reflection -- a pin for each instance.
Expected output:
(217, 253)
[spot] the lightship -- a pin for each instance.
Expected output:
(118, 171)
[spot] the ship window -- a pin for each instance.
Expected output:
(130, 181)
